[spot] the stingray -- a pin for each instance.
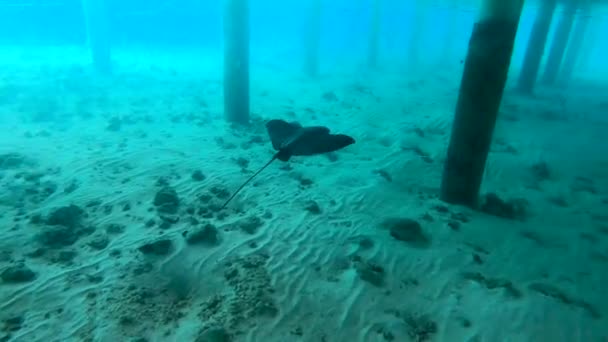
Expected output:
(291, 139)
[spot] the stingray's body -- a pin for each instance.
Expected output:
(291, 139)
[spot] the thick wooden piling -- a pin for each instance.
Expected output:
(236, 61)
(536, 46)
(374, 35)
(451, 27)
(483, 81)
(574, 47)
(312, 38)
(98, 33)
(559, 43)
(416, 22)
(590, 44)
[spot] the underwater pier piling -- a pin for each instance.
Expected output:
(98, 33)
(536, 46)
(451, 27)
(236, 61)
(576, 43)
(374, 35)
(590, 43)
(417, 20)
(312, 38)
(483, 81)
(560, 42)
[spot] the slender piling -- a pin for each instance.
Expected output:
(574, 47)
(536, 46)
(236, 61)
(450, 28)
(483, 81)
(98, 35)
(372, 55)
(417, 20)
(590, 43)
(312, 38)
(559, 43)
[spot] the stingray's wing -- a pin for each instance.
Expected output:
(281, 131)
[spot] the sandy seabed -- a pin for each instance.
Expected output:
(110, 228)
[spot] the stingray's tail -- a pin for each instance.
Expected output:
(249, 180)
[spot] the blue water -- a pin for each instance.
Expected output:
(113, 173)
